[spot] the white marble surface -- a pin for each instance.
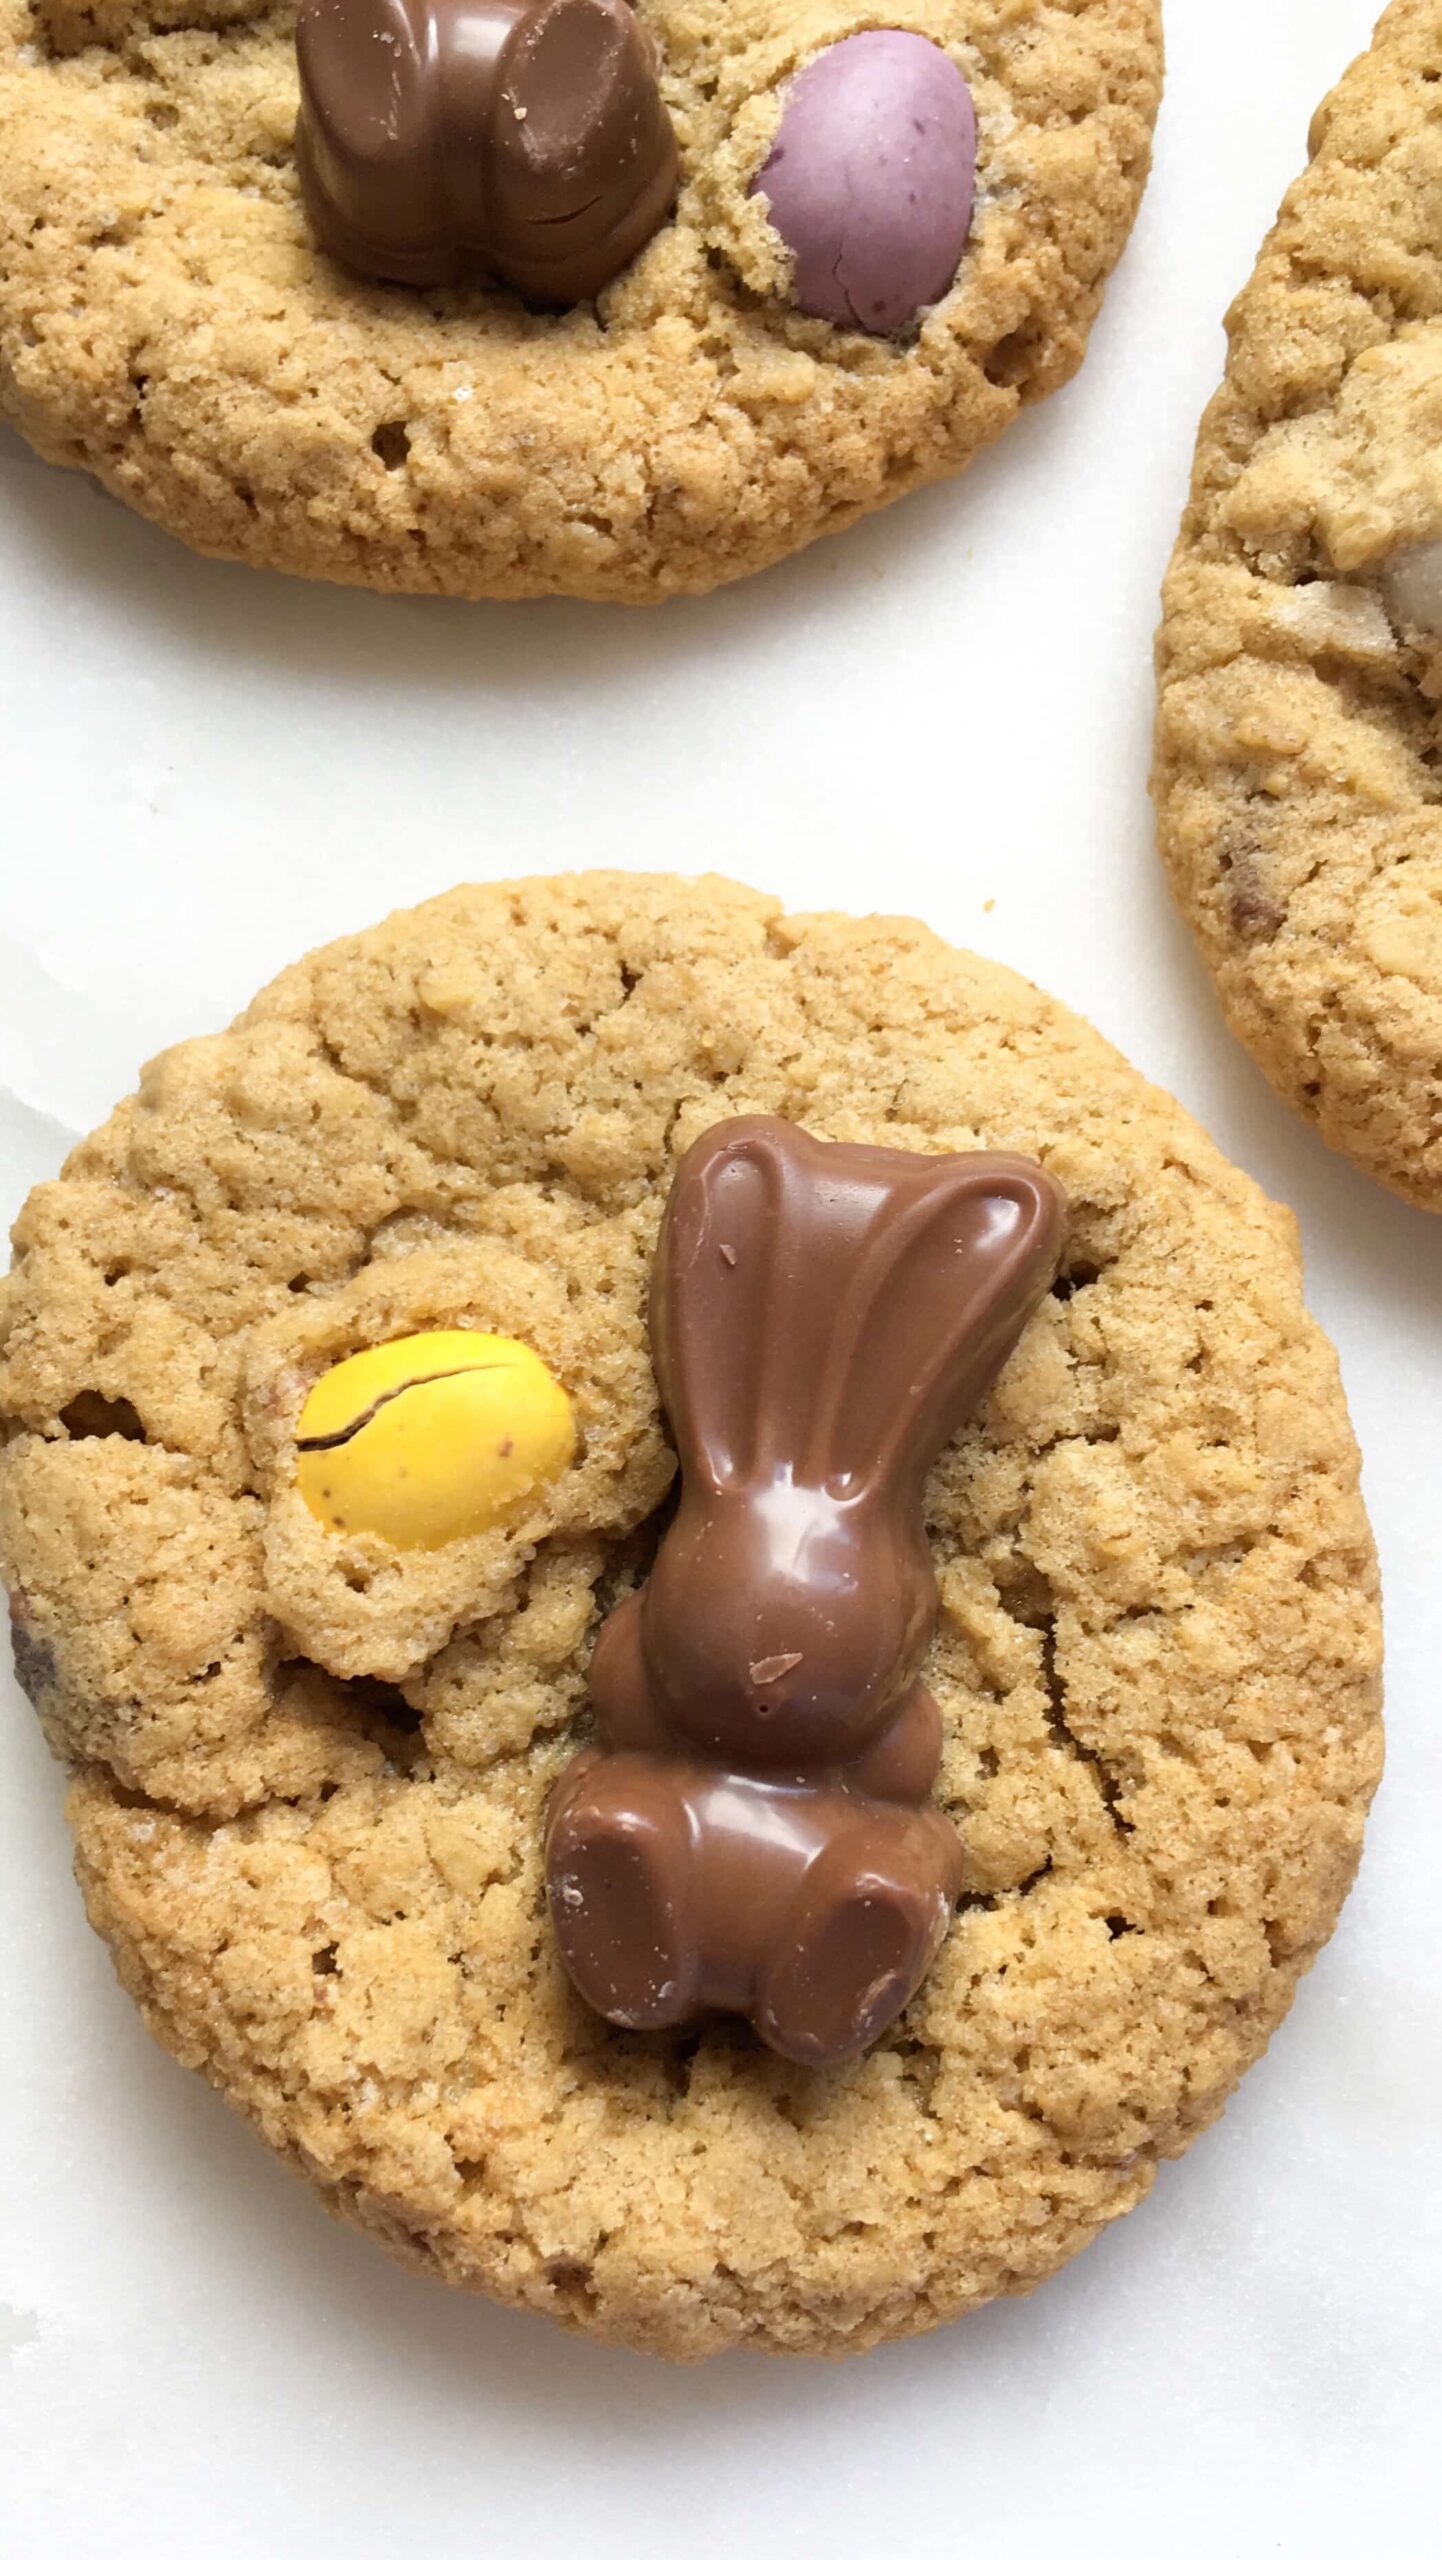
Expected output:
(947, 710)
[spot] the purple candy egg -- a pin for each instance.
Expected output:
(871, 179)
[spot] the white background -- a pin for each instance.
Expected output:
(203, 771)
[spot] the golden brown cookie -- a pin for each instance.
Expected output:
(167, 322)
(310, 1769)
(1300, 659)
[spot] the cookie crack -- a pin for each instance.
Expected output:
(134, 1799)
(1108, 1784)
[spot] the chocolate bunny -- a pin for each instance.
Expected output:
(752, 1830)
(520, 139)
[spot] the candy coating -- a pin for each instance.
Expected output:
(871, 179)
(432, 1437)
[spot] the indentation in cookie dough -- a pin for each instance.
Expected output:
(92, 1416)
(391, 444)
(1075, 1275)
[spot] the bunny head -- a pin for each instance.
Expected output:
(823, 1317)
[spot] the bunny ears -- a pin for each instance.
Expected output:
(833, 1313)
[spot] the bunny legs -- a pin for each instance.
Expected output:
(677, 1888)
(869, 1917)
(619, 1860)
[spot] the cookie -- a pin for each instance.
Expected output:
(848, 257)
(311, 1768)
(1300, 658)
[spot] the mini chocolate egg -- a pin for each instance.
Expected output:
(1412, 586)
(871, 179)
(432, 1437)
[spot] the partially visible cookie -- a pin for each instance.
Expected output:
(168, 321)
(1299, 744)
(310, 1767)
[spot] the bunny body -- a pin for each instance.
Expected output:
(752, 1831)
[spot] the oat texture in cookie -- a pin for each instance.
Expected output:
(810, 260)
(310, 1767)
(1299, 742)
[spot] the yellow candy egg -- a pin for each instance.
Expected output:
(431, 1438)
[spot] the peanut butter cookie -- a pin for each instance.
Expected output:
(311, 1761)
(635, 307)
(1300, 658)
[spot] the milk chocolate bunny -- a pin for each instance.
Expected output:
(752, 1831)
(520, 139)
